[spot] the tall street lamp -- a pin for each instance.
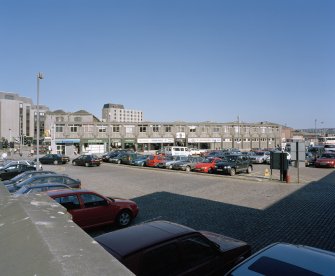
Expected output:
(39, 77)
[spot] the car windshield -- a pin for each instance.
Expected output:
(230, 158)
(328, 155)
(259, 153)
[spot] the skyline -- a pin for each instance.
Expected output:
(191, 61)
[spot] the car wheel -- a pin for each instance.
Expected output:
(74, 163)
(188, 169)
(210, 170)
(87, 165)
(55, 162)
(124, 218)
(232, 171)
(249, 169)
(110, 160)
(119, 161)
(142, 164)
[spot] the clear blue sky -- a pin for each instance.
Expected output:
(176, 60)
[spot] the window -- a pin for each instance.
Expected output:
(74, 128)
(77, 119)
(91, 200)
(143, 128)
(102, 128)
(155, 128)
(69, 202)
(196, 250)
(168, 128)
(116, 128)
(68, 181)
(216, 129)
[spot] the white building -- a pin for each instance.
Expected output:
(118, 114)
(18, 117)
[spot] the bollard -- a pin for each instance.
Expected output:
(266, 172)
(288, 178)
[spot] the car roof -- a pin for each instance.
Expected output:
(141, 236)
(283, 257)
(66, 192)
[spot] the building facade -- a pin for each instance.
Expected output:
(83, 132)
(18, 117)
(117, 113)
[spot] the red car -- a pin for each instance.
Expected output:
(207, 166)
(90, 209)
(327, 160)
(153, 160)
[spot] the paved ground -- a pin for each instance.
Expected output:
(252, 208)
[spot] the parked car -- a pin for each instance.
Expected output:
(107, 157)
(39, 188)
(168, 162)
(118, 158)
(25, 175)
(8, 172)
(216, 153)
(187, 165)
(140, 160)
(287, 259)
(309, 159)
(44, 179)
(55, 159)
(27, 162)
(87, 160)
(153, 160)
(326, 160)
(128, 157)
(207, 165)
(90, 209)
(260, 157)
(233, 164)
(166, 248)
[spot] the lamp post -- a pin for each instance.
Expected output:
(316, 139)
(39, 77)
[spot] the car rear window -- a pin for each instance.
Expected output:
(270, 266)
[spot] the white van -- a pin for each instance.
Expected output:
(177, 151)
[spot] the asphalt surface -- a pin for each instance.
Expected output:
(253, 208)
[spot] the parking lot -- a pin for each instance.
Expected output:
(252, 207)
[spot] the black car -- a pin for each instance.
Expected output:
(55, 159)
(166, 248)
(232, 164)
(87, 160)
(107, 157)
(44, 179)
(8, 172)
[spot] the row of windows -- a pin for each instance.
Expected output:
(154, 128)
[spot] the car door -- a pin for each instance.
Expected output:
(95, 210)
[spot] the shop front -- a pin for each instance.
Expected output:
(129, 144)
(67, 146)
(204, 143)
(92, 146)
(153, 144)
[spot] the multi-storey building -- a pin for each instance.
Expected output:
(117, 113)
(84, 132)
(18, 117)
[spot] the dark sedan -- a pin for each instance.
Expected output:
(8, 172)
(25, 175)
(55, 159)
(166, 248)
(233, 164)
(44, 179)
(87, 160)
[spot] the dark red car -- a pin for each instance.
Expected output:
(327, 160)
(166, 248)
(90, 209)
